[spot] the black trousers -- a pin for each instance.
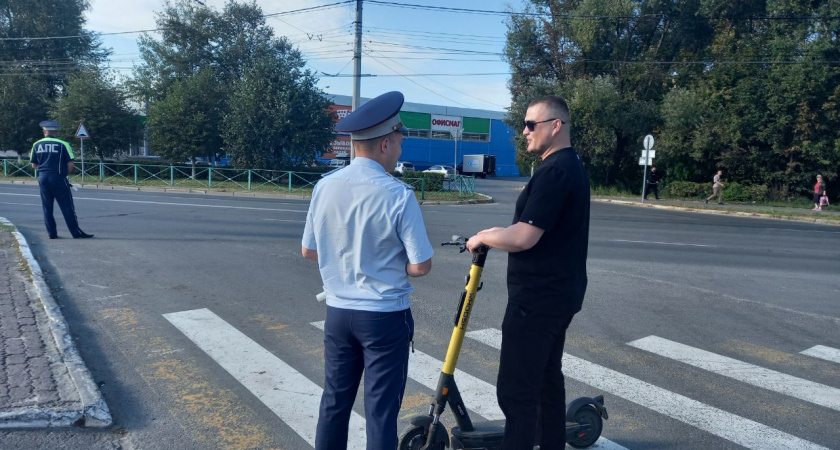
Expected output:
(56, 188)
(531, 378)
(377, 344)
(652, 187)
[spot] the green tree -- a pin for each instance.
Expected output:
(96, 99)
(278, 118)
(34, 67)
(185, 124)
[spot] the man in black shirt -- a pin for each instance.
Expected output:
(652, 183)
(547, 245)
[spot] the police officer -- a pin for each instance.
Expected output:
(365, 229)
(547, 246)
(53, 159)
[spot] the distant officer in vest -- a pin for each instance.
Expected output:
(53, 159)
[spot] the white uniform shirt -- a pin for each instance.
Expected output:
(366, 226)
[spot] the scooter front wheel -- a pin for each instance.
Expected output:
(412, 438)
(587, 415)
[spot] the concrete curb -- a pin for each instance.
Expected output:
(818, 220)
(94, 412)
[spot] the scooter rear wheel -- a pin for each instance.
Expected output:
(412, 438)
(587, 415)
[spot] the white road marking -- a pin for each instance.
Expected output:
(170, 203)
(809, 391)
(823, 352)
(284, 220)
(739, 430)
(285, 391)
(478, 395)
(661, 243)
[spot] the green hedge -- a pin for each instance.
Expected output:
(434, 181)
(733, 192)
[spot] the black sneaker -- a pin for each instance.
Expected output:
(83, 235)
(707, 201)
(720, 203)
(55, 236)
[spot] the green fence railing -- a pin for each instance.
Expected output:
(219, 178)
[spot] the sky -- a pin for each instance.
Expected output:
(433, 57)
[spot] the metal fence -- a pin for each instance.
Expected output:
(221, 178)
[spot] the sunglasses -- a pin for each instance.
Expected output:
(530, 124)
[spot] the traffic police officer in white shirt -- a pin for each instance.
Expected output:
(365, 229)
(53, 159)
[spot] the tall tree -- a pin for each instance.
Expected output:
(185, 124)
(43, 43)
(278, 118)
(103, 105)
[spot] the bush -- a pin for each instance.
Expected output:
(736, 192)
(434, 181)
(687, 189)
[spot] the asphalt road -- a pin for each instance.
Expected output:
(692, 328)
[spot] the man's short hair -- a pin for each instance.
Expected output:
(555, 105)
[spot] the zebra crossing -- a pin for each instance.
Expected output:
(295, 399)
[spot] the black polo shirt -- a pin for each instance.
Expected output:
(550, 277)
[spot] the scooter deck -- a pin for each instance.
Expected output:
(489, 437)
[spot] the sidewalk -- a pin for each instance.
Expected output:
(43, 380)
(828, 216)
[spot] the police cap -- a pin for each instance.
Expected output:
(375, 118)
(50, 125)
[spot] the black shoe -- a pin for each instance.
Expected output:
(54, 236)
(720, 203)
(707, 201)
(83, 236)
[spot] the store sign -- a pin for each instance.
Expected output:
(341, 146)
(447, 123)
(341, 111)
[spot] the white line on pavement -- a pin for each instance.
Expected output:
(478, 395)
(661, 243)
(739, 430)
(809, 391)
(823, 352)
(285, 391)
(170, 203)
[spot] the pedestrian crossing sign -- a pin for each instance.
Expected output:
(82, 133)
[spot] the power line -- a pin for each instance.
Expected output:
(587, 17)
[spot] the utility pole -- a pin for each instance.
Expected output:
(357, 66)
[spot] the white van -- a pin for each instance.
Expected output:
(335, 163)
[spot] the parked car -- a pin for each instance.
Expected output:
(402, 166)
(446, 171)
(335, 163)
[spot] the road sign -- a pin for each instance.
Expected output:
(645, 161)
(82, 133)
(648, 142)
(650, 153)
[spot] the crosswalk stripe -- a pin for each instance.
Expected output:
(478, 394)
(823, 352)
(742, 431)
(285, 391)
(809, 391)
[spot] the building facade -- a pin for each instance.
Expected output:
(442, 135)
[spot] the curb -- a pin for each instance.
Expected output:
(94, 412)
(816, 220)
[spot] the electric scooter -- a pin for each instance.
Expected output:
(427, 432)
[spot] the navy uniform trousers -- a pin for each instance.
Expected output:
(530, 382)
(56, 187)
(377, 344)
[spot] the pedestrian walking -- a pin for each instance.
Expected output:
(819, 193)
(547, 246)
(53, 159)
(717, 188)
(652, 183)
(365, 229)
